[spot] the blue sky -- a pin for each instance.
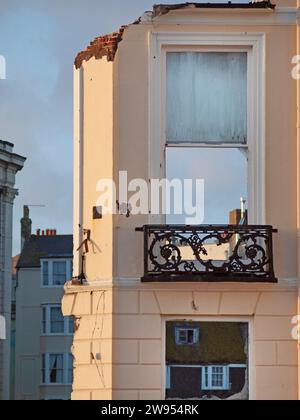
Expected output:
(40, 39)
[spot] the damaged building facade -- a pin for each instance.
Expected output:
(172, 311)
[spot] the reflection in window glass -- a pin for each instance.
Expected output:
(214, 367)
(225, 173)
(70, 368)
(56, 321)
(45, 273)
(59, 273)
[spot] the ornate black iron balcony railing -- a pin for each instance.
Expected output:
(220, 253)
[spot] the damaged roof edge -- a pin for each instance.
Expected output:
(102, 46)
(163, 9)
(107, 45)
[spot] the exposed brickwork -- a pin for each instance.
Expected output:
(103, 46)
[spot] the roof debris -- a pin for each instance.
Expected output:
(107, 45)
(163, 9)
(102, 46)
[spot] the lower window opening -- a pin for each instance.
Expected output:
(207, 361)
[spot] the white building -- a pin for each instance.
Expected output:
(10, 164)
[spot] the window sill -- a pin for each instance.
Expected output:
(57, 335)
(54, 385)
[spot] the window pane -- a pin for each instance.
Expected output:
(206, 377)
(191, 336)
(70, 369)
(59, 273)
(218, 361)
(56, 367)
(185, 336)
(182, 336)
(225, 175)
(44, 320)
(56, 321)
(43, 368)
(45, 273)
(70, 321)
(206, 97)
(217, 377)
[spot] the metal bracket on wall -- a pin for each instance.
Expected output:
(97, 213)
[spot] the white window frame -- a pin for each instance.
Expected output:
(209, 370)
(48, 332)
(254, 44)
(50, 262)
(178, 330)
(47, 369)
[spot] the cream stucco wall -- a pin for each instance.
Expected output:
(119, 343)
(127, 330)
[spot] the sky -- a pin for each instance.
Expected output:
(39, 40)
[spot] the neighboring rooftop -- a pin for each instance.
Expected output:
(8, 157)
(107, 45)
(46, 246)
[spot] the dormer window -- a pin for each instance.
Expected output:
(186, 336)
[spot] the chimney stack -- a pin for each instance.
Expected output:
(26, 226)
(239, 216)
(47, 232)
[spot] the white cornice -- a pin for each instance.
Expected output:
(283, 285)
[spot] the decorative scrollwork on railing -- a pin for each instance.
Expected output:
(208, 253)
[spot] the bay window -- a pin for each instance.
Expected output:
(54, 323)
(56, 369)
(55, 273)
